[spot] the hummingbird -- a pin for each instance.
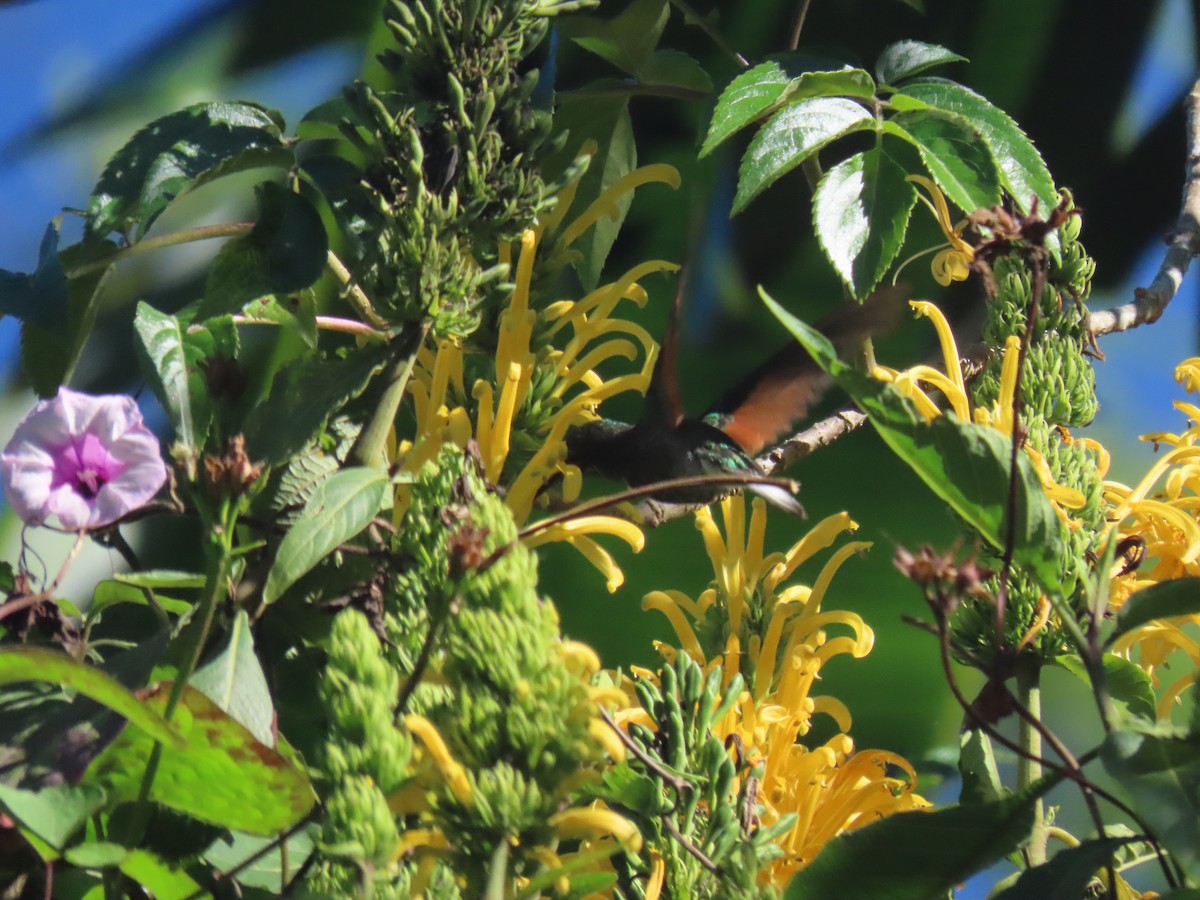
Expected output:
(754, 414)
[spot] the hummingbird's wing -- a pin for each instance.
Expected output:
(768, 403)
(664, 405)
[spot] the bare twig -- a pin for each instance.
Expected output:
(1182, 244)
(814, 437)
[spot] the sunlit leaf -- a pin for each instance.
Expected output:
(53, 813)
(957, 160)
(1128, 684)
(904, 59)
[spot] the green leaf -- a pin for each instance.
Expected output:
(860, 212)
(957, 160)
(285, 252)
(787, 77)
(162, 578)
(977, 767)
(1160, 771)
(234, 680)
(178, 153)
(112, 593)
(40, 298)
(794, 134)
(49, 354)
(95, 854)
(966, 465)
(1022, 171)
(904, 59)
(231, 850)
(35, 664)
(220, 775)
(673, 68)
(296, 311)
(1164, 600)
(303, 396)
(1128, 684)
(891, 860)
(52, 813)
(341, 506)
(171, 355)
(163, 880)
(626, 40)
(1067, 874)
(605, 121)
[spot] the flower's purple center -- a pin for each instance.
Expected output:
(86, 465)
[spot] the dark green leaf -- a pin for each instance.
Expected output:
(40, 298)
(171, 356)
(1022, 171)
(178, 153)
(956, 158)
(626, 40)
(303, 397)
(966, 465)
(1067, 874)
(860, 212)
(52, 813)
(762, 89)
(285, 252)
(1161, 773)
(163, 880)
(265, 872)
(891, 859)
(1164, 600)
(673, 68)
(112, 593)
(977, 767)
(341, 506)
(794, 134)
(221, 775)
(35, 664)
(904, 59)
(1128, 684)
(605, 121)
(49, 355)
(297, 311)
(234, 680)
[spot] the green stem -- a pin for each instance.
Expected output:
(353, 293)
(368, 448)
(1029, 770)
(186, 236)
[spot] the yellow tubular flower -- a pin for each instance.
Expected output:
(540, 390)
(954, 262)
(776, 639)
(1162, 513)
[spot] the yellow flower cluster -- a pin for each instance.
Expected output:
(533, 374)
(1167, 522)
(776, 637)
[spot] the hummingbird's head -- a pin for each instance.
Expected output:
(593, 445)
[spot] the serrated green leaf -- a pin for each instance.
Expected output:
(53, 813)
(267, 871)
(1161, 773)
(172, 355)
(303, 396)
(178, 153)
(1022, 171)
(1067, 874)
(341, 506)
(793, 134)
(1128, 684)
(957, 160)
(764, 88)
(904, 59)
(1164, 600)
(626, 40)
(966, 465)
(860, 212)
(890, 859)
(977, 767)
(36, 664)
(285, 252)
(220, 774)
(163, 880)
(234, 680)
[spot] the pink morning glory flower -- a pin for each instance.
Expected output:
(87, 460)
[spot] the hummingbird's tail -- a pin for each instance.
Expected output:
(781, 497)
